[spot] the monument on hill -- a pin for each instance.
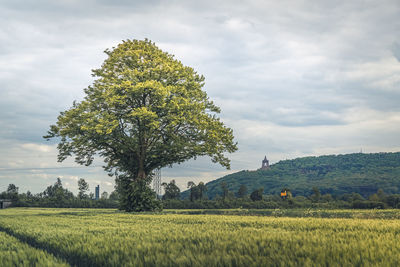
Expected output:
(265, 164)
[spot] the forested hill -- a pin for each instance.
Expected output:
(334, 174)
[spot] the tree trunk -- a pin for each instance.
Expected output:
(141, 173)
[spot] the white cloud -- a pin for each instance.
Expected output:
(31, 147)
(292, 78)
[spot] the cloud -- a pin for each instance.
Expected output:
(396, 50)
(292, 78)
(37, 147)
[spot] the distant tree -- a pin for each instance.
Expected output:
(104, 195)
(83, 187)
(12, 192)
(230, 195)
(91, 195)
(57, 193)
(257, 194)
(225, 190)
(172, 191)
(191, 184)
(316, 194)
(12, 189)
(356, 196)
(29, 194)
(374, 197)
(193, 190)
(242, 192)
(393, 201)
(381, 194)
(351, 197)
(58, 183)
(114, 196)
(196, 191)
(327, 198)
(202, 189)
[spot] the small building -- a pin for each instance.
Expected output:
(5, 203)
(286, 194)
(265, 164)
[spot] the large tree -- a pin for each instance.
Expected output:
(145, 110)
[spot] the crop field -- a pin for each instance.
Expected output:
(83, 237)
(16, 253)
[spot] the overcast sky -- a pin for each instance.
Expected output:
(293, 78)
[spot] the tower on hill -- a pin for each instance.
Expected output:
(265, 164)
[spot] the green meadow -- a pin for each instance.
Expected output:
(106, 237)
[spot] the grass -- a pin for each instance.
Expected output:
(298, 213)
(84, 237)
(16, 253)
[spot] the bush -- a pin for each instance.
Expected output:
(367, 204)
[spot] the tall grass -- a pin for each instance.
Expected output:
(110, 238)
(16, 253)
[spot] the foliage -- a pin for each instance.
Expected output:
(358, 204)
(202, 189)
(104, 195)
(110, 238)
(225, 190)
(316, 194)
(327, 201)
(11, 193)
(335, 175)
(57, 193)
(172, 191)
(242, 192)
(57, 196)
(197, 192)
(137, 195)
(114, 195)
(145, 110)
(83, 186)
(257, 195)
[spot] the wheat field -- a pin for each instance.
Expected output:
(83, 237)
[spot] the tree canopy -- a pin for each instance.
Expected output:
(145, 110)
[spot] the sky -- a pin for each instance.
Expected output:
(292, 78)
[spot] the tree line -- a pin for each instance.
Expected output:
(256, 199)
(57, 196)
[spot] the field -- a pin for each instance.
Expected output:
(83, 237)
(16, 253)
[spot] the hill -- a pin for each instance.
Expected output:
(333, 174)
